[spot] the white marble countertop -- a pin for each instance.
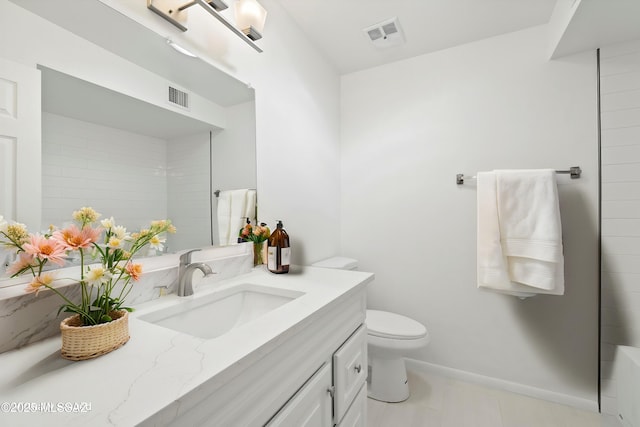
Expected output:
(158, 365)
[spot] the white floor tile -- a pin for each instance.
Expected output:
(442, 402)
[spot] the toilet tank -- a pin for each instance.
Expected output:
(341, 263)
(629, 386)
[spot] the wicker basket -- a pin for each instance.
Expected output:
(86, 342)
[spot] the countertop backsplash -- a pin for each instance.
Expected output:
(28, 318)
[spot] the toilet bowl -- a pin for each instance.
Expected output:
(389, 337)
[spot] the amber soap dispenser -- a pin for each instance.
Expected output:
(278, 251)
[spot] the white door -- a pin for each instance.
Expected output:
(20, 144)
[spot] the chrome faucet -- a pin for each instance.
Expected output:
(185, 273)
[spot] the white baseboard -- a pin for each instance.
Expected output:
(538, 393)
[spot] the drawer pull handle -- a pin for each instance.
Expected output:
(358, 368)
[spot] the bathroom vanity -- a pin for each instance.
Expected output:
(284, 350)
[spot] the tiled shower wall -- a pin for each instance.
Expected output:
(189, 191)
(118, 173)
(620, 161)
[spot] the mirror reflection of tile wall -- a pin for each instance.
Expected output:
(118, 173)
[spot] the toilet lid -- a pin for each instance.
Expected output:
(391, 325)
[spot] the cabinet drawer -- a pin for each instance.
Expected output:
(349, 371)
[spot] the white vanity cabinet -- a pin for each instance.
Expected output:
(312, 376)
(311, 406)
(337, 388)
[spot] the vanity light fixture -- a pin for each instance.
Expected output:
(175, 12)
(181, 49)
(250, 17)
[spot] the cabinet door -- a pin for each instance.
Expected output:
(356, 415)
(310, 406)
(349, 371)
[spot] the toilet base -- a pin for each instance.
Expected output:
(387, 380)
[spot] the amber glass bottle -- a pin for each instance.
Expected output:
(278, 251)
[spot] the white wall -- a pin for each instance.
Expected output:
(407, 129)
(298, 136)
(189, 191)
(118, 173)
(620, 105)
(297, 119)
(233, 153)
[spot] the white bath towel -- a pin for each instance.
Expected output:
(519, 232)
(234, 206)
(250, 206)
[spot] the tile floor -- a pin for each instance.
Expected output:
(444, 402)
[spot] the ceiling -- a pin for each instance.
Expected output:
(335, 26)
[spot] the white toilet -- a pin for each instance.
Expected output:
(389, 337)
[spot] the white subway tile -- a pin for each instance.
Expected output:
(620, 277)
(620, 100)
(621, 172)
(607, 351)
(619, 49)
(606, 368)
(622, 283)
(621, 136)
(621, 245)
(98, 167)
(609, 388)
(609, 406)
(620, 191)
(621, 263)
(620, 118)
(621, 227)
(620, 82)
(621, 154)
(627, 63)
(621, 209)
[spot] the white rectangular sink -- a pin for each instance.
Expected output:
(215, 314)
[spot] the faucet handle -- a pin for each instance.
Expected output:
(185, 258)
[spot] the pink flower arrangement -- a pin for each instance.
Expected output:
(257, 234)
(114, 252)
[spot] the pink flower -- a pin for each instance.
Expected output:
(246, 231)
(72, 238)
(134, 270)
(45, 249)
(24, 260)
(261, 231)
(38, 282)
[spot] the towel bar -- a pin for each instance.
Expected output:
(573, 171)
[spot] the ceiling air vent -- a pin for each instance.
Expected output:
(178, 97)
(385, 34)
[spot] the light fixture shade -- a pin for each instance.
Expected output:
(250, 18)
